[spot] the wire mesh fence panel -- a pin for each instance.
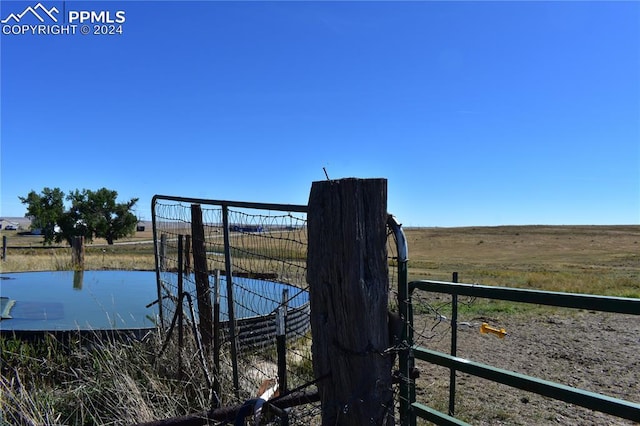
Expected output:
(259, 254)
(255, 266)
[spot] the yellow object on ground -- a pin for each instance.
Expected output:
(486, 328)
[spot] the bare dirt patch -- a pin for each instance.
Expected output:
(599, 352)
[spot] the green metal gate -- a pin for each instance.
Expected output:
(410, 409)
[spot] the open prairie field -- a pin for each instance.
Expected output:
(584, 259)
(594, 351)
(504, 255)
(598, 352)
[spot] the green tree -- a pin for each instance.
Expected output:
(92, 214)
(45, 211)
(103, 216)
(72, 223)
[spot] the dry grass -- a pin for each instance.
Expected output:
(585, 259)
(60, 260)
(106, 382)
(26, 253)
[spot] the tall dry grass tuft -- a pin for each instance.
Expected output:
(113, 381)
(24, 405)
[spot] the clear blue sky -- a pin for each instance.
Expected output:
(477, 113)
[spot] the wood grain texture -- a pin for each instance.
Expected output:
(347, 272)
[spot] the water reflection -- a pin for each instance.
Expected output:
(77, 279)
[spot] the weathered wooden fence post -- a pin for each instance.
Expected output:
(163, 252)
(347, 272)
(77, 252)
(201, 273)
(4, 247)
(187, 254)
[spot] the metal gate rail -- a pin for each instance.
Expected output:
(592, 400)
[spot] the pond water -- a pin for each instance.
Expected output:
(85, 300)
(252, 297)
(116, 300)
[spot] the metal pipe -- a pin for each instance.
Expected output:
(454, 348)
(281, 346)
(155, 250)
(592, 400)
(621, 305)
(216, 333)
(241, 204)
(230, 303)
(405, 360)
(179, 307)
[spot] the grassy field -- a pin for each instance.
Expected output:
(586, 259)
(26, 253)
(124, 384)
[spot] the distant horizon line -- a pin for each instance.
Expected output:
(24, 219)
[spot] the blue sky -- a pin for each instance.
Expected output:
(477, 113)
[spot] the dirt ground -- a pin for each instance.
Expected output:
(593, 351)
(598, 352)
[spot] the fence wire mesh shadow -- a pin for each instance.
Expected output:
(253, 256)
